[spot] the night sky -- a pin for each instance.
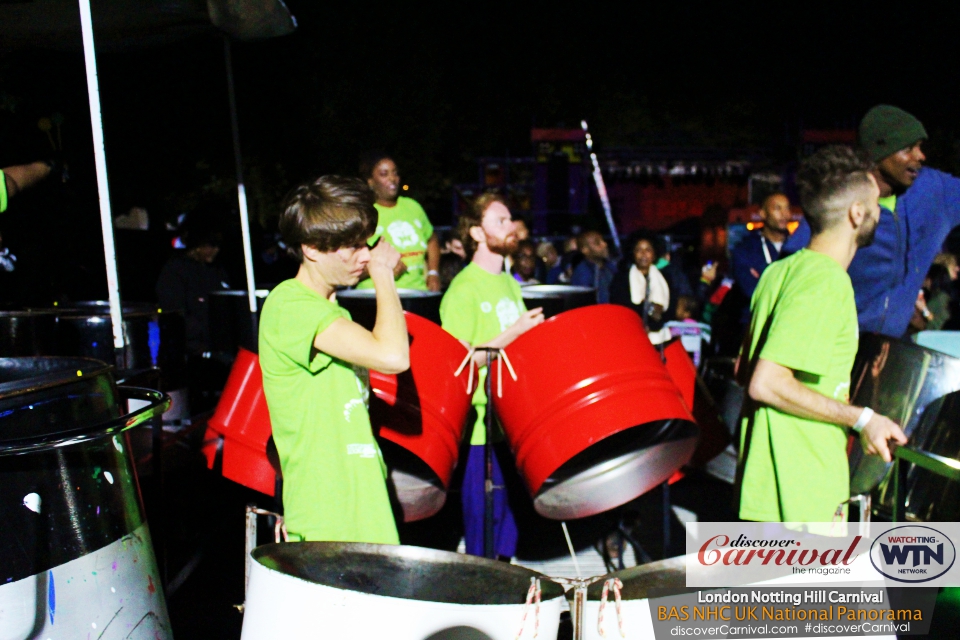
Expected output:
(439, 85)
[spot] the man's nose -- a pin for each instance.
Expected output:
(918, 154)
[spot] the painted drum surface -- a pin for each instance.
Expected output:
(362, 304)
(343, 590)
(420, 415)
(557, 298)
(593, 418)
(912, 386)
(237, 433)
(73, 524)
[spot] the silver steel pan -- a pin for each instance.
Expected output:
(910, 385)
(557, 298)
(362, 304)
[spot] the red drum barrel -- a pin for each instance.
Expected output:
(420, 414)
(593, 417)
(238, 432)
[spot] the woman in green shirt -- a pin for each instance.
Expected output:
(404, 224)
(315, 361)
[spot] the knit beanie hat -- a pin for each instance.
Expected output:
(886, 129)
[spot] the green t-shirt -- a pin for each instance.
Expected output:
(803, 318)
(890, 202)
(477, 308)
(3, 192)
(405, 226)
(334, 479)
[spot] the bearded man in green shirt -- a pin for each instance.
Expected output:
(483, 308)
(315, 361)
(799, 351)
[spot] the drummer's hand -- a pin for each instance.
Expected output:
(433, 282)
(529, 320)
(875, 436)
(384, 256)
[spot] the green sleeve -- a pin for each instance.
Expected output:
(458, 317)
(3, 192)
(799, 335)
(293, 325)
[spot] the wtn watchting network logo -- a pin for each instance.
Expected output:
(912, 553)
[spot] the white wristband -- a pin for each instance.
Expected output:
(864, 418)
(433, 272)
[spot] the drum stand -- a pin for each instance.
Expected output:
(488, 487)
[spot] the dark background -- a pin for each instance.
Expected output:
(439, 86)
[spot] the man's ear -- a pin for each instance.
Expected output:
(478, 235)
(309, 253)
(857, 213)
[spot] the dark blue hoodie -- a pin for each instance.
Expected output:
(888, 274)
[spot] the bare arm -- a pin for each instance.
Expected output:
(386, 348)
(433, 262)
(24, 176)
(775, 385)
(527, 321)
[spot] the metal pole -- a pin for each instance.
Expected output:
(488, 547)
(601, 187)
(103, 186)
(241, 190)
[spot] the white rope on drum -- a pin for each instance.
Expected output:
(616, 584)
(533, 595)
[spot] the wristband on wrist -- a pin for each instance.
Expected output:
(864, 418)
(433, 272)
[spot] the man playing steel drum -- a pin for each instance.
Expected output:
(484, 307)
(315, 362)
(799, 351)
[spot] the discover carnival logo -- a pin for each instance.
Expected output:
(912, 553)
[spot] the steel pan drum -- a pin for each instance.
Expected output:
(420, 415)
(362, 304)
(593, 419)
(230, 325)
(900, 380)
(27, 333)
(70, 503)
(557, 298)
(237, 434)
(318, 590)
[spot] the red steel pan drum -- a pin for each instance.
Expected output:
(593, 417)
(238, 432)
(420, 414)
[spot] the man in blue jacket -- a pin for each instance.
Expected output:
(919, 207)
(761, 247)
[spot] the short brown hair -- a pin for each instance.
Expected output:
(328, 214)
(828, 182)
(473, 217)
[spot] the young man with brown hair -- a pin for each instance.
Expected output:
(315, 360)
(799, 351)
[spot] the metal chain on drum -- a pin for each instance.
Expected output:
(617, 585)
(533, 595)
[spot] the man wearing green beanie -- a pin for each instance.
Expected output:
(919, 208)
